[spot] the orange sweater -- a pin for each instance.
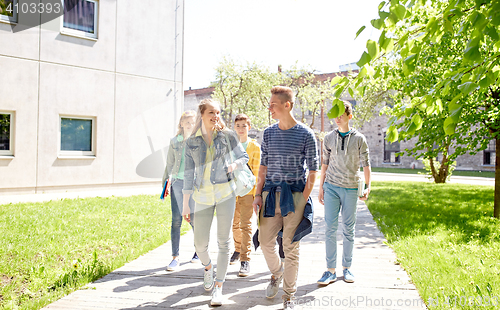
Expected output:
(253, 151)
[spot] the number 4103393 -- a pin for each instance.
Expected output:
(34, 8)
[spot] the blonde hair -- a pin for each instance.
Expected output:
(202, 107)
(284, 93)
(185, 115)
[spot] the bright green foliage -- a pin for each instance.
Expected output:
(50, 249)
(439, 65)
(445, 237)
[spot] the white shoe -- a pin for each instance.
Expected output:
(216, 296)
(208, 279)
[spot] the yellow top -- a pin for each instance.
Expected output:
(209, 193)
(253, 151)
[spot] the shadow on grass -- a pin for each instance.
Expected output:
(403, 209)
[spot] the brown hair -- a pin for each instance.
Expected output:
(202, 107)
(348, 107)
(242, 117)
(284, 93)
(185, 115)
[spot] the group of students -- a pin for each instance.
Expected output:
(201, 172)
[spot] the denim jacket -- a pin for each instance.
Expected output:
(174, 157)
(195, 157)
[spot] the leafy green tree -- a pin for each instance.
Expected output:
(244, 89)
(441, 59)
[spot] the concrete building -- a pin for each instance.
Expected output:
(91, 98)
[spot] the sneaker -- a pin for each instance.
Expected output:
(244, 269)
(174, 264)
(348, 276)
(288, 304)
(234, 258)
(195, 258)
(327, 278)
(273, 287)
(208, 279)
(216, 296)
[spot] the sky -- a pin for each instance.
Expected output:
(312, 33)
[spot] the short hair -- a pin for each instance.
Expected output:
(348, 107)
(285, 93)
(243, 117)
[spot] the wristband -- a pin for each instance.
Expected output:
(258, 195)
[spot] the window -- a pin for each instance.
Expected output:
(489, 154)
(80, 18)
(390, 150)
(6, 133)
(8, 11)
(77, 136)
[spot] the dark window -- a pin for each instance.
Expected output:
(489, 154)
(76, 134)
(390, 151)
(80, 15)
(5, 121)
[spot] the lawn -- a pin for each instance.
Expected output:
(445, 237)
(51, 249)
(464, 173)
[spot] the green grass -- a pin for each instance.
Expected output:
(445, 237)
(51, 249)
(464, 173)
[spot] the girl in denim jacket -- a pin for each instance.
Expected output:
(175, 171)
(208, 177)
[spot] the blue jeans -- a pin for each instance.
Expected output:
(204, 217)
(176, 202)
(338, 199)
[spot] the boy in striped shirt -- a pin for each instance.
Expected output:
(282, 193)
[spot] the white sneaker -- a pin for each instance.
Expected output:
(208, 279)
(216, 296)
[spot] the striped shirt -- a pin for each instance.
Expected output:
(286, 153)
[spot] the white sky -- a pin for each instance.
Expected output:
(315, 33)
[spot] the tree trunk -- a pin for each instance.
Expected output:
(440, 175)
(496, 205)
(433, 169)
(444, 169)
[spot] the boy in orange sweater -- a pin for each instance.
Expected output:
(242, 225)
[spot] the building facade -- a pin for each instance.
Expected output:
(90, 99)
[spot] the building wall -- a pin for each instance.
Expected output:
(129, 80)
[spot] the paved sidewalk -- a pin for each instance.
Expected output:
(144, 283)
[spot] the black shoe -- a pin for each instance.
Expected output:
(244, 269)
(234, 258)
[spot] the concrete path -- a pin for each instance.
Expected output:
(144, 283)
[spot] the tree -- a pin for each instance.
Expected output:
(244, 89)
(311, 93)
(446, 56)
